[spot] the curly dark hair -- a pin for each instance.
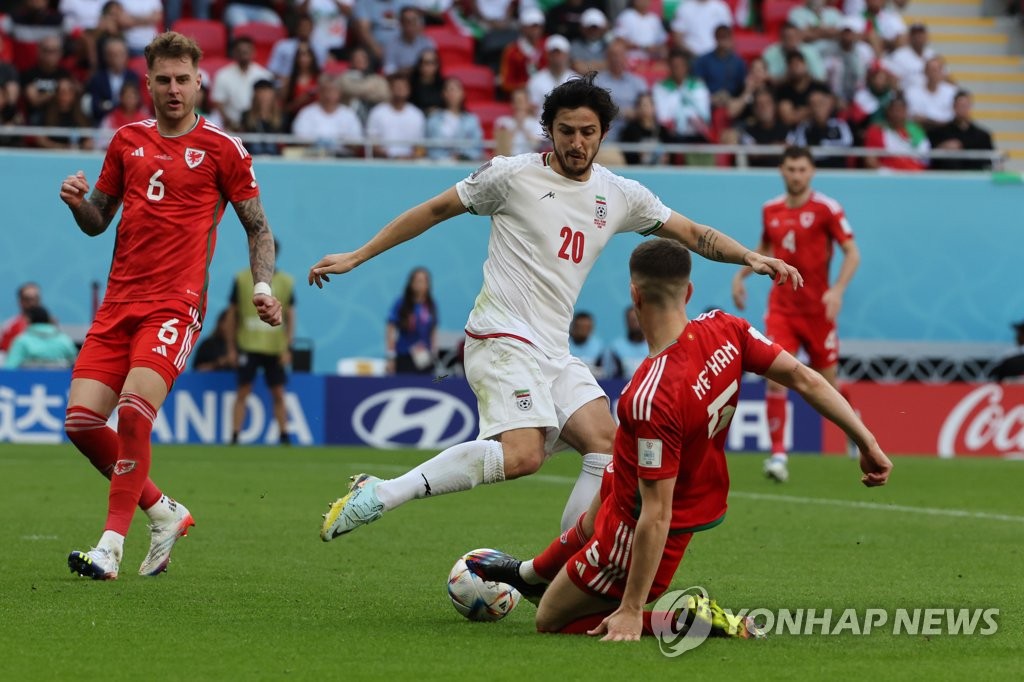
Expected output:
(576, 93)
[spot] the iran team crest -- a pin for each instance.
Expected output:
(523, 399)
(194, 157)
(600, 211)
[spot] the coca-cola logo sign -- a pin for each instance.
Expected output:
(981, 422)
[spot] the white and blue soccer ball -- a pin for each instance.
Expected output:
(478, 599)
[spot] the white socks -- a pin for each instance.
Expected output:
(460, 467)
(588, 485)
(162, 509)
(529, 575)
(112, 542)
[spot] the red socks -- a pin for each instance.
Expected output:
(550, 561)
(775, 410)
(131, 471)
(89, 432)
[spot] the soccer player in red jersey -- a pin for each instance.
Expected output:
(801, 227)
(668, 478)
(173, 175)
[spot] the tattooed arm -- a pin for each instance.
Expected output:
(718, 246)
(94, 214)
(261, 255)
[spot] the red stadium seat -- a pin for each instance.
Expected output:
(488, 113)
(453, 47)
(335, 67)
(211, 65)
(25, 54)
(263, 37)
(478, 81)
(749, 44)
(774, 13)
(651, 71)
(211, 36)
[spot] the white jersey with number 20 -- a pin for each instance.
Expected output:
(546, 234)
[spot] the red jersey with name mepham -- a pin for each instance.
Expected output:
(674, 416)
(803, 237)
(174, 191)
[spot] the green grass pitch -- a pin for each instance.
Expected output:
(252, 593)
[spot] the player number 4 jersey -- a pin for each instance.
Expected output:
(674, 416)
(174, 191)
(546, 234)
(803, 237)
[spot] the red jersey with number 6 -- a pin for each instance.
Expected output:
(803, 237)
(174, 191)
(674, 416)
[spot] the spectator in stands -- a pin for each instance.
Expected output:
(522, 58)
(931, 105)
(29, 296)
(793, 93)
(104, 87)
(299, 88)
(264, 116)
(329, 34)
(884, 27)
(566, 18)
(212, 354)
(900, 135)
(42, 345)
(232, 85)
(80, 16)
(111, 23)
(823, 129)
(722, 70)
(764, 128)
(695, 22)
(404, 48)
(10, 115)
(682, 102)
(282, 55)
(642, 30)
(198, 9)
(396, 124)
(140, 21)
(624, 85)
(907, 62)
(329, 120)
(521, 132)
(554, 73)
(961, 133)
(819, 22)
(790, 39)
(453, 122)
(871, 101)
(254, 12)
(584, 344)
(376, 23)
(847, 66)
(411, 331)
(10, 85)
(741, 107)
(589, 51)
(35, 20)
(644, 128)
(129, 109)
(65, 111)
(362, 84)
(625, 353)
(426, 83)
(1011, 366)
(39, 83)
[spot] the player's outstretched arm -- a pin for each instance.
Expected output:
(410, 224)
(94, 214)
(715, 245)
(820, 395)
(739, 289)
(261, 255)
(626, 622)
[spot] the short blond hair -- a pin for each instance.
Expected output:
(172, 45)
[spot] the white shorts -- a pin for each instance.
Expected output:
(518, 387)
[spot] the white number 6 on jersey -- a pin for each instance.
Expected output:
(155, 191)
(721, 414)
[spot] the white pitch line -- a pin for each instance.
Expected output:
(792, 499)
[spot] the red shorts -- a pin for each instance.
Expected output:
(816, 335)
(154, 334)
(601, 566)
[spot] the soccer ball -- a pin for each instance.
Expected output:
(476, 598)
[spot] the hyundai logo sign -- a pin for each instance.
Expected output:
(413, 418)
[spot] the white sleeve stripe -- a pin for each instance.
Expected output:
(644, 397)
(234, 140)
(660, 368)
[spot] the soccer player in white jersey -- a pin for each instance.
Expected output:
(551, 214)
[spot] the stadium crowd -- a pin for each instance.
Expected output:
(455, 73)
